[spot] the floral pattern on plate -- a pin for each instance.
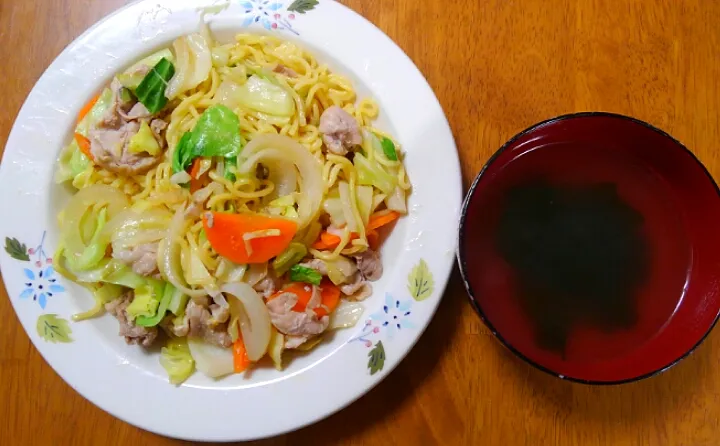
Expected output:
(395, 316)
(41, 284)
(275, 15)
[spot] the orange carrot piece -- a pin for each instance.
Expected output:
(330, 295)
(382, 218)
(241, 362)
(86, 109)
(225, 234)
(331, 241)
(84, 145)
(197, 181)
(373, 238)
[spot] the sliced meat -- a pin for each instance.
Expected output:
(316, 264)
(341, 132)
(285, 71)
(142, 258)
(138, 111)
(266, 287)
(357, 289)
(369, 264)
(203, 325)
(109, 139)
(296, 323)
(133, 334)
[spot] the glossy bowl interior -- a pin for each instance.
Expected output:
(654, 174)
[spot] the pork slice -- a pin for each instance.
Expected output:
(341, 132)
(203, 325)
(369, 264)
(142, 258)
(110, 137)
(296, 323)
(133, 334)
(285, 71)
(357, 289)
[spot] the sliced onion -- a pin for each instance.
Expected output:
(210, 359)
(193, 64)
(280, 148)
(346, 315)
(347, 206)
(256, 273)
(248, 308)
(169, 256)
(181, 177)
(80, 202)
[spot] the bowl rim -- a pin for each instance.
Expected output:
(463, 264)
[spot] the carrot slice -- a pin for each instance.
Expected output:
(373, 238)
(330, 241)
(86, 109)
(225, 234)
(382, 218)
(197, 181)
(84, 145)
(330, 295)
(241, 362)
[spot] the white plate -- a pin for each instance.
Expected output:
(128, 382)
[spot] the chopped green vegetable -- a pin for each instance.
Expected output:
(144, 141)
(304, 274)
(95, 250)
(177, 361)
(147, 299)
(151, 91)
(261, 94)
(103, 103)
(389, 149)
(121, 274)
(217, 133)
(72, 163)
(151, 321)
(133, 76)
(294, 253)
(178, 301)
(182, 155)
(126, 95)
(228, 174)
(373, 174)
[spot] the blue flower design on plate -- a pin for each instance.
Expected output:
(41, 285)
(268, 14)
(394, 315)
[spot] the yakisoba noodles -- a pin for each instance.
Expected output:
(233, 196)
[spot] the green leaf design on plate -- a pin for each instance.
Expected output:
(420, 281)
(53, 328)
(302, 6)
(16, 249)
(377, 358)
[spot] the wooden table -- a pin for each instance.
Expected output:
(497, 67)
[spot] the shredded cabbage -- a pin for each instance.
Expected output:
(373, 174)
(193, 65)
(146, 300)
(144, 141)
(97, 111)
(177, 361)
(72, 162)
(264, 96)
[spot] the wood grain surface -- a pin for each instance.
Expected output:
(497, 67)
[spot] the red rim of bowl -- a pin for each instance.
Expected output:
(464, 268)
